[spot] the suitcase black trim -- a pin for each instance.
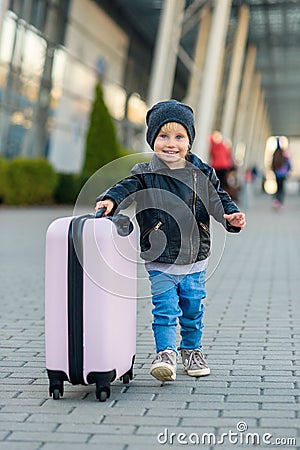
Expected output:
(75, 300)
(56, 381)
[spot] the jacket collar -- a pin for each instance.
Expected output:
(157, 164)
(197, 162)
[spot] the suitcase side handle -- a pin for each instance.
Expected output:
(123, 224)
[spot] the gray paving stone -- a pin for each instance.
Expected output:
(251, 322)
(282, 391)
(261, 385)
(258, 414)
(13, 417)
(3, 434)
(281, 406)
(283, 422)
(93, 429)
(261, 399)
(158, 404)
(289, 378)
(246, 390)
(89, 446)
(5, 445)
(104, 439)
(212, 411)
(145, 420)
(113, 410)
(27, 426)
(48, 437)
(204, 422)
(155, 430)
(142, 386)
(62, 418)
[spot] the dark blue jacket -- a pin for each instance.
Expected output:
(173, 208)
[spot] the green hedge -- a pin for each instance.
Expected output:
(34, 181)
(27, 181)
(68, 188)
(3, 164)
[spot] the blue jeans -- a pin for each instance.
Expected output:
(177, 297)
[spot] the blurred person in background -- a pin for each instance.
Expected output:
(281, 167)
(222, 161)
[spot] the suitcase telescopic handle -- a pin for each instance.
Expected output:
(100, 212)
(122, 223)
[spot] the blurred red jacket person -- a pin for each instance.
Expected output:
(220, 154)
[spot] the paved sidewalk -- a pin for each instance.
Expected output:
(251, 340)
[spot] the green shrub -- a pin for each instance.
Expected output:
(28, 182)
(102, 145)
(2, 175)
(68, 188)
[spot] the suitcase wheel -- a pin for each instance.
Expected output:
(56, 389)
(125, 378)
(56, 383)
(102, 393)
(56, 394)
(102, 396)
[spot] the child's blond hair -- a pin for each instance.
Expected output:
(170, 126)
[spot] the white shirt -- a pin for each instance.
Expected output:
(176, 269)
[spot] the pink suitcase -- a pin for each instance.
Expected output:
(90, 302)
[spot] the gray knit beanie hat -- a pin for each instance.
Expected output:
(169, 111)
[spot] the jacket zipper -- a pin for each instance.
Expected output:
(194, 213)
(205, 227)
(155, 228)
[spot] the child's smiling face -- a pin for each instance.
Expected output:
(172, 144)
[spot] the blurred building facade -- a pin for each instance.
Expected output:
(52, 52)
(51, 55)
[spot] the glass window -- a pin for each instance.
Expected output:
(115, 99)
(7, 44)
(136, 109)
(16, 6)
(38, 13)
(33, 54)
(59, 64)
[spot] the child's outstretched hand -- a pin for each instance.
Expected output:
(108, 204)
(236, 219)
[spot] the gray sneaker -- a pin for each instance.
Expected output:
(194, 363)
(164, 366)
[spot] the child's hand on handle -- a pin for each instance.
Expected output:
(236, 219)
(108, 204)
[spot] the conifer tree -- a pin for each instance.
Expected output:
(102, 145)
